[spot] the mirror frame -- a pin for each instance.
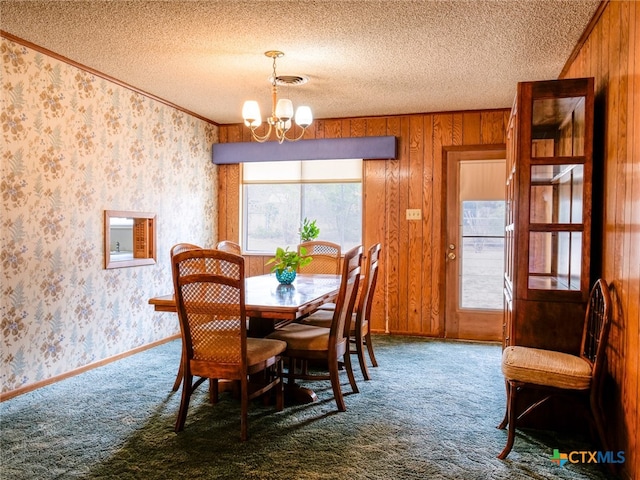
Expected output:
(150, 218)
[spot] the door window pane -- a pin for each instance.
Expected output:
(482, 259)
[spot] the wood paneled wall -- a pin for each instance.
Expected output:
(611, 54)
(410, 293)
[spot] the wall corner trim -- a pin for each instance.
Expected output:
(367, 148)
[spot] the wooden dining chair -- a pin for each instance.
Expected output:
(179, 248)
(325, 255)
(360, 332)
(556, 373)
(229, 246)
(209, 289)
(307, 343)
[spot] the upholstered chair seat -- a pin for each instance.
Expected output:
(546, 367)
(260, 349)
(301, 337)
(323, 318)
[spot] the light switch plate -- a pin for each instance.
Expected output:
(414, 214)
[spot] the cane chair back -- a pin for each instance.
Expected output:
(229, 246)
(210, 299)
(182, 247)
(325, 255)
(557, 373)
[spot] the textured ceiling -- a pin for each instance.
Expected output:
(362, 58)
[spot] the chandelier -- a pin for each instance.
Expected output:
(281, 112)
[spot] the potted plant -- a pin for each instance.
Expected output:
(308, 230)
(286, 263)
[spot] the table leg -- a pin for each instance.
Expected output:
(296, 393)
(260, 327)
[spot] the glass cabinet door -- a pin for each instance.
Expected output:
(558, 127)
(556, 191)
(556, 194)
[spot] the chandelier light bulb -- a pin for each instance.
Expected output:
(284, 109)
(304, 117)
(251, 114)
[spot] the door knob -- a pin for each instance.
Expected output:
(451, 255)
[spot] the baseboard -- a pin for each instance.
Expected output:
(34, 386)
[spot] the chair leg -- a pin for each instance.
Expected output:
(279, 388)
(598, 419)
(184, 402)
(291, 379)
(213, 390)
(349, 368)
(335, 384)
(268, 377)
(511, 414)
(244, 409)
(505, 420)
(369, 344)
(361, 359)
(176, 384)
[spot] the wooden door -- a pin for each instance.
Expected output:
(474, 242)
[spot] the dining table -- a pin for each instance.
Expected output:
(270, 305)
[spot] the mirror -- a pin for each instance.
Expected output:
(129, 238)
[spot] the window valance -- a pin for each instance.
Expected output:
(367, 148)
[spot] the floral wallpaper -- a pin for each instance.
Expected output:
(73, 145)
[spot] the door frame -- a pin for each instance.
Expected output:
(450, 155)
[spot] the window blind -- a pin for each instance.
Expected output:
(308, 171)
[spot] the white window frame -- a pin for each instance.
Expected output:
(296, 173)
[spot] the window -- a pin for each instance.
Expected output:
(277, 196)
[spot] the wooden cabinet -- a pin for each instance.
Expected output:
(548, 213)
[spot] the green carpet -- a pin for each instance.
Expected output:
(430, 411)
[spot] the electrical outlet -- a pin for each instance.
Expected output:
(414, 214)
